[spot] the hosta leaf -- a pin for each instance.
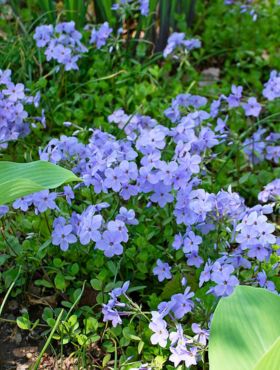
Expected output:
(271, 360)
(245, 326)
(20, 179)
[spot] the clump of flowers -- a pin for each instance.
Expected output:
(14, 118)
(271, 192)
(132, 5)
(245, 6)
(177, 44)
(62, 43)
(99, 37)
(261, 146)
(216, 240)
(271, 89)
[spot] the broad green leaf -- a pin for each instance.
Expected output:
(271, 360)
(20, 179)
(244, 328)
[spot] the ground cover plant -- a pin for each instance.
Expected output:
(139, 183)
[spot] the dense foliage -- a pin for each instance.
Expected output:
(176, 139)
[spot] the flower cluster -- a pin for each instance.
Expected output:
(62, 43)
(14, 118)
(177, 41)
(271, 192)
(139, 5)
(246, 6)
(111, 310)
(271, 89)
(259, 147)
(90, 226)
(255, 234)
(165, 165)
(99, 37)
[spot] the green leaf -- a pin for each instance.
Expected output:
(23, 322)
(106, 359)
(96, 284)
(20, 179)
(60, 282)
(43, 282)
(244, 329)
(271, 360)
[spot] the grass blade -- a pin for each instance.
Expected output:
(9, 291)
(37, 363)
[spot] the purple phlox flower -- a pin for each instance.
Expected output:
(177, 337)
(193, 259)
(164, 308)
(3, 210)
(178, 242)
(258, 251)
(207, 139)
(162, 270)
(117, 292)
(225, 286)
(154, 138)
(159, 327)
(265, 230)
(44, 200)
(271, 191)
(205, 274)
(129, 169)
(144, 7)
(201, 336)
(221, 275)
(219, 269)
(62, 235)
(43, 35)
(273, 152)
(215, 107)
(5, 76)
(181, 353)
(114, 178)
(68, 193)
(110, 314)
(89, 228)
(110, 243)
(177, 40)
(252, 108)
(120, 227)
(127, 216)
(23, 203)
(191, 242)
(234, 98)
(100, 36)
(271, 89)
(191, 162)
(161, 195)
(151, 160)
(182, 303)
(14, 92)
(264, 283)
(167, 171)
(221, 125)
